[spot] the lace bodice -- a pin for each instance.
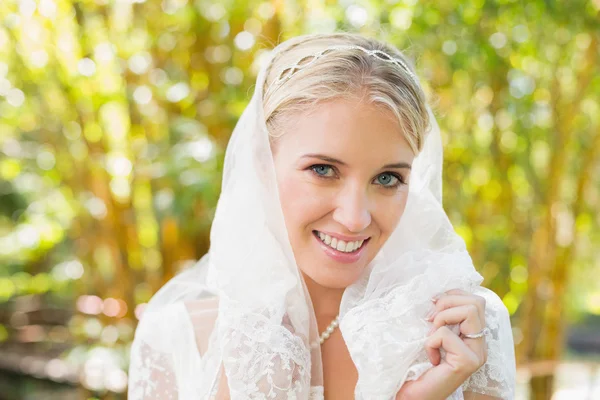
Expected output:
(169, 358)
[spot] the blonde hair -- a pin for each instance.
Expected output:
(346, 72)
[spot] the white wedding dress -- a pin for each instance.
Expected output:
(170, 358)
(244, 311)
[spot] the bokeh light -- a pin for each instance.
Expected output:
(114, 118)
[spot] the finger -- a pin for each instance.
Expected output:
(434, 354)
(458, 292)
(446, 339)
(449, 301)
(469, 322)
(458, 354)
(466, 316)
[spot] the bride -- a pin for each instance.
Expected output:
(333, 270)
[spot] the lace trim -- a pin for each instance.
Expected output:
(385, 331)
(151, 375)
(263, 359)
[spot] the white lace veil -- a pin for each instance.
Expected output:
(265, 325)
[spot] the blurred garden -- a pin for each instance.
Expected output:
(114, 118)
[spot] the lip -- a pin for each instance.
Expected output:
(345, 258)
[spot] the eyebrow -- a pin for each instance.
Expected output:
(339, 162)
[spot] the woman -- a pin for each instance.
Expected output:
(333, 270)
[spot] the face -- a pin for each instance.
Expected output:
(343, 172)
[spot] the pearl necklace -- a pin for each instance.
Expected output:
(325, 335)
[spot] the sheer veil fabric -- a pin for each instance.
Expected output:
(243, 310)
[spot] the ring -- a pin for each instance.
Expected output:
(484, 332)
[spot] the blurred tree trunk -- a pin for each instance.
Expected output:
(550, 259)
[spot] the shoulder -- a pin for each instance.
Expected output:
(184, 307)
(158, 327)
(494, 305)
(182, 321)
(497, 377)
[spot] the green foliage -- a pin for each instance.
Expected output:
(114, 117)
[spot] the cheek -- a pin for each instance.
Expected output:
(290, 197)
(389, 213)
(299, 203)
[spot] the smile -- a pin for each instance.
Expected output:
(339, 244)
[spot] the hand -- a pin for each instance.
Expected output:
(463, 356)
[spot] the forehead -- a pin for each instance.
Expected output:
(349, 129)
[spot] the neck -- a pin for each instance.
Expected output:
(326, 301)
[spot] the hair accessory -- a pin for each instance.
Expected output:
(310, 59)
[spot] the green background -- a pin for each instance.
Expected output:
(114, 117)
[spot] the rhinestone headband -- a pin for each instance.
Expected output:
(310, 59)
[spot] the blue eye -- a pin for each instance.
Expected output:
(387, 180)
(322, 170)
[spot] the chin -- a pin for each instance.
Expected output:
(334, 276)
(327, 273)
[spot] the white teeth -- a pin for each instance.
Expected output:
(340, 245)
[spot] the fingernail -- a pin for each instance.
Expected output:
(434, 300)
(431, 331)
(429, 315)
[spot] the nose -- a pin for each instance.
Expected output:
(352, 209)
